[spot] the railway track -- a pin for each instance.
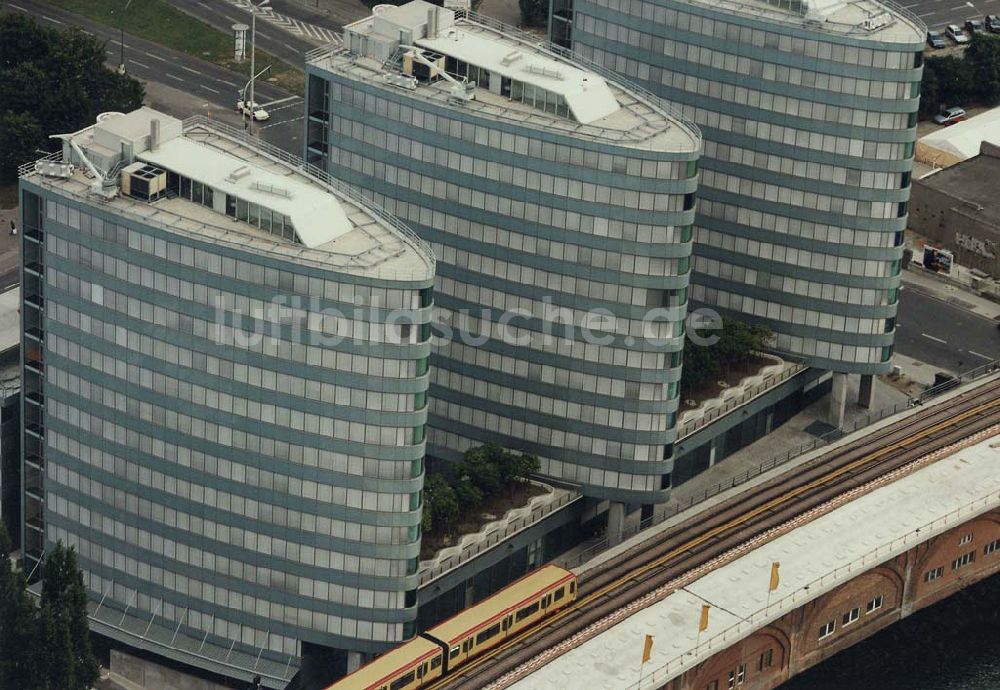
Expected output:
(618, 582)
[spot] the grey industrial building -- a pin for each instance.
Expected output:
(548, 188)
(958, 207)
(808, 110)
(225, 392)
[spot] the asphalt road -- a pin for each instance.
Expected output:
(938, 13)
(223, 15)
(943, 335)
(213, 85)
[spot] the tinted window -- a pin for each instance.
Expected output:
(526, 611)
(559, 593)
(402, 681)
(436, 661)
(488, 633)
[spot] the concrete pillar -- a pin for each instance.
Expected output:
(713, 448)
(838, 400)
(616, 522)
(354, 661)
(866, 391)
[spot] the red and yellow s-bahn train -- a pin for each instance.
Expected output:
(447, 646)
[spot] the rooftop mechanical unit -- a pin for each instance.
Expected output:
(144, 181)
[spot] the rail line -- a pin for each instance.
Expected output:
(665, 556)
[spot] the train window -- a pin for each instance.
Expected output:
(526, 611)
(466, 644)
(454, 652)
(559, 593)
(572, 587)
(402, 681)
(488, 633)
(436, 661)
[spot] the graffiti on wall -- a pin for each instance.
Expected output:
(982, 247)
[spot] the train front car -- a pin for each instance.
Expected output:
(409, 666)
(520, 605)
(474, 631)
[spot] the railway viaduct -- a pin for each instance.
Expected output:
(921, 576)
(886, 523)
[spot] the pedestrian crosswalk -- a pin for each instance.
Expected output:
(310, 32)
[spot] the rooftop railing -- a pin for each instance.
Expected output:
(152, 214)
(633, 93)
(320, 176)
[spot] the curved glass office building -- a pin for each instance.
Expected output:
(226, 367)
(558, 202)
(809, 113)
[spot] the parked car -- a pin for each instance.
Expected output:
(950, 116)
(956, 34)
(975, 26)
(245, 107)
(993, 23)
(935, 40)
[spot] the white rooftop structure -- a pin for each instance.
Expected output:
(10, 319)
(333, 226)
(502, 73)
(880, 20)
(434, 28)
(586, 93)
(961, 141)
(821, 555)
(317, 215)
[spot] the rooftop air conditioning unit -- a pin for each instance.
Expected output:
(143, 181)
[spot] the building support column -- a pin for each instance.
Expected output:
(355, 660)
(838, 400)
(866, 391)
(616, 522)
(713, 447)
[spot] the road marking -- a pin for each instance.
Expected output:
(155, 57)
(973, 352)
(280, 100)
(938, 340)
(54, 21)
(173, 77)
(193, 71)
(136, 62)
(17, 7)
(228, 82)
(208, 88)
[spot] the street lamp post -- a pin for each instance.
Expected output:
(121, 42)
(253, 54)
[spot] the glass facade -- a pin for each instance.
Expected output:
(805, 175)
(535, 231)
(233, 446)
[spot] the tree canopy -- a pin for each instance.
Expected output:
(45, 647)
(963, 81)
(52, 82)
(483, 473)
(736, 344)
(534, 12)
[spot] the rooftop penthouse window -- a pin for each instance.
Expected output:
(420, 43)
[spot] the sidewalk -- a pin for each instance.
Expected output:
(789, 437)
(950, 290)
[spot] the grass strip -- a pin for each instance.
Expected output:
(162, 23)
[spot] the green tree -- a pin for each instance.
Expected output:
(441, 507)
(534, 12)
(17, 624)
(64, 598)
(982, 59)
(52, 82)
(737, 342)
(20, 135)
(481, 466)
